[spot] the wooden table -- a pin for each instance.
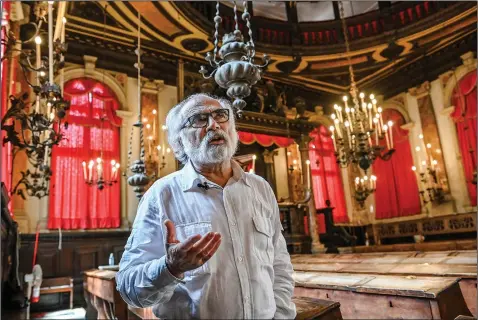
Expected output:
(372, 296)
(433, 264)
(104, 302)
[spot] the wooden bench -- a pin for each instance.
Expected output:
(58, 285)
(424, 246)
(372, 296)
(104, 302)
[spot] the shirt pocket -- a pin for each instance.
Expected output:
(263, 238)
(188, 230)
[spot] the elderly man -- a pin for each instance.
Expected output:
(206, 241)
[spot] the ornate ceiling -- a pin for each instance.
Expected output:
(386, 44)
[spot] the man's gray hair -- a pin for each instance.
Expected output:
(176, 119)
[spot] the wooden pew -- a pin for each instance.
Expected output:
(104, 302)
(372, 296)
(424, 246)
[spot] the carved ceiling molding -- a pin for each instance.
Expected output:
(420, 91)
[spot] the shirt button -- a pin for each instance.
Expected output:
(246, 299)
(233, 223)
(241, 258)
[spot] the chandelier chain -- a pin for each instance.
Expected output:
(236, 27)
(247, 18)
(353, 86)
(217, 21)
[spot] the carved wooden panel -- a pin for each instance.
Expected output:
(460, 223)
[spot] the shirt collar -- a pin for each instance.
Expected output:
(190, 177)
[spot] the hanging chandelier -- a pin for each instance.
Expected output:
(138, 179)
(428, 173)
(358, 128)
(364, 186)
(96, 175)
(233, 62)
(40, 122)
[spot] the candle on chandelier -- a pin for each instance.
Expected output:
(349, 118)
(362, 95)
(429, 153)
(335, 144)
(38, 66)
(417, 149)
(99, 168)
(50, 41)
(345, 99)
(84, 170)
(374, 182)
(150, 142)
(307, 162)
(375, 121)
(113, 168)
(353, 113)
(370, 115)
(254, 157)
(45, 160)
(369, 139)
(62, 39)
(90, 170)
(379, 109)
(348, 133)
(336, 123)
(154, 122)
(385, 130)
(390, 125)
(357, 179)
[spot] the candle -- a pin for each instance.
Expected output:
(45, 160)
(335, 145)
(369, 139)
(50, 41)
(390, 125)
(429, 152)
(417, 149)
(380, 116)
(90, 168)
(376, 135)
(353, 113)
(362, 95)
(38, 66)
(113, 169)
(62, 39)
(348, 133)
(254, 157)
(374, 182)
(150, 139)
(84, 170)
(307, 162)
(336, 123)
(99, 168)
(385, 129)
(370, 115)
(154, 123)
(357, 179)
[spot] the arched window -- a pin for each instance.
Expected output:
(326, 176)
(74, 204)
(396, 192)
(464, 116)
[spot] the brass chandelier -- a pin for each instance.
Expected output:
(359, 127)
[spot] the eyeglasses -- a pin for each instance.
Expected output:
(201, 120)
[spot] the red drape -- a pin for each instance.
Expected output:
(264, 139)
(464, 100)
(74, 204)
(397, 188)
(326, 176)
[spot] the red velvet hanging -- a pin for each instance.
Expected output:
(264, 139)
(326, 176)
(397, 189)
(74, 204)
(464, 100)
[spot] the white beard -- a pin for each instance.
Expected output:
(206, 153)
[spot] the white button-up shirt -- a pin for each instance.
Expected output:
(249, 276)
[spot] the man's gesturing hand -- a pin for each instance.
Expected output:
(192, 253)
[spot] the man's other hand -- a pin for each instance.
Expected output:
(190, 254)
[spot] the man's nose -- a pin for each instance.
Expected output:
(211, 124)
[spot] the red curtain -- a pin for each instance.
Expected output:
(264, 139)
(464, 100)
(74, 204)
(397, 188)
(326, 176)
